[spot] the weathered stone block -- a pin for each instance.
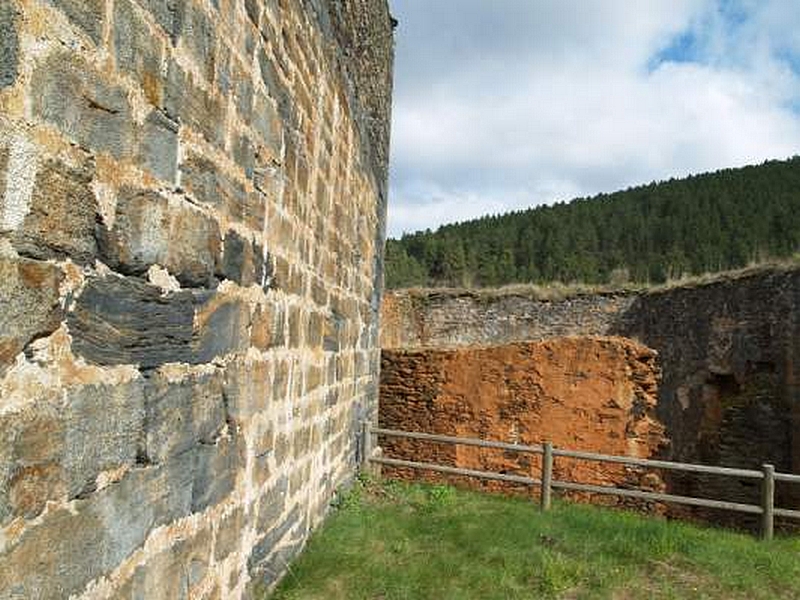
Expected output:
(70, 547)
(203, 180)
(137, 51)
(150, 229)
(243, 260)
(71, 95)
(173, 574)
(9, 44)
(182, 414)
(221, 328)
(272, 504)
(103, 430)
(122, 321)
(29, 295)
(267, 124)
(246, 389)
(88, 15)
(195, 30)
(61, 217)
(158, 146)
(166, 14)
(265, 547)
(215, 471)
(229, 534)
(193, 106)
(267, 327)
(56, 453)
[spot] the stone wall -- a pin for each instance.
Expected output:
(454, 318)
(728, 349)
(192, 200)
(592, 393)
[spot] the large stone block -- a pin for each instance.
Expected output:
(57, 452)
(9, 44)
(216, 470)
(193, 106)
(29, 295)
(60, 555)
(158, 146)
(88, 15)
(68, 93)
(246, 389)
(243, 260)
(103, 429)
(182, 414)
(137, 51)
(62, 214)
(173, 574)
(196, 32)
(149, 229)
(123, 321)
(221, 328)
(265, 547)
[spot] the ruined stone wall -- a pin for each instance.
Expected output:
(192, 200)
(728, 349)
(592, 393)
(448, 319)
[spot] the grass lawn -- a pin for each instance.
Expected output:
(392, 541)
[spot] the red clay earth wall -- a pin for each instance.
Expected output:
(588, 393)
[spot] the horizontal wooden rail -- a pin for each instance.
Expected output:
(766, 475)
(447, 439)
(661, 464)
(396, 462)
(640, 494)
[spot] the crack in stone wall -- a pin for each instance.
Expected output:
(192, 206)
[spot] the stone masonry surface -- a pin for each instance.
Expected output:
(728, 350)
(192, 207)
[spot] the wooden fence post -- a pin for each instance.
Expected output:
(366, 445)
(768, 502)
(547, 475)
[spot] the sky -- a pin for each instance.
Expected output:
(502, 105)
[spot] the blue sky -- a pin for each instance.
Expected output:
(505, 104)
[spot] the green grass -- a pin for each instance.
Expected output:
(393, 541)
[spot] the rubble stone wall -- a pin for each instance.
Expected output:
(192, 201)
(592, 393)
(728, 349)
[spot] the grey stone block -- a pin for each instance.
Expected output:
(68, 93)
(149, 230)
(137, 51)
(216, 469)
(69, 548)
(266, 545)
(197, 32)
(123, 321)
(103, 429)
(183, 414)
(9, 44)
(242, 260)
(62, 214)
(158, 146)
(272, 504)
(222, 329)
(88, 15)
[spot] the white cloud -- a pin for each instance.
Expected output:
(545, 101)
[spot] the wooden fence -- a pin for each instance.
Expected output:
(767, 475)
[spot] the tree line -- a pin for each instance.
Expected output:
(646, 234)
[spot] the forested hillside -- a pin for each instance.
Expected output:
(703, 223)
